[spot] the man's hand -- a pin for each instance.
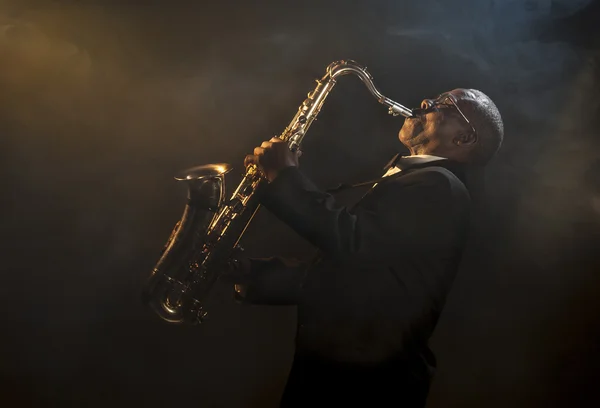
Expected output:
(272, 157)
(237, 272)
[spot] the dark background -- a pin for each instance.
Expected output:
(102, 102)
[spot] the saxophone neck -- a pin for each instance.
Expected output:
(310, 108)
(344, 67)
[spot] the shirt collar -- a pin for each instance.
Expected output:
(403, 162)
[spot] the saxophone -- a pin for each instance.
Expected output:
(206, 238)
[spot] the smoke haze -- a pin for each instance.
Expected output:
(102, 102)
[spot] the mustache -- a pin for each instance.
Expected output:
(416, 122)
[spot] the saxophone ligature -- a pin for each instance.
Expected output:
(207, 236)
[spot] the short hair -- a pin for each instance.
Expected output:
(487, 121)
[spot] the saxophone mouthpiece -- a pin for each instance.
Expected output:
(397, 109)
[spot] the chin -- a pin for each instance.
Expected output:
(404, 134)
(407, 135)
(409, 131)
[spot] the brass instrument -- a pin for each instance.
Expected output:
(206, 237)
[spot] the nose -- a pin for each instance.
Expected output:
(426, 104)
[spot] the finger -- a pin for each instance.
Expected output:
(276, 140)
(259, 151)
(250, 159)
(266, 145)
(298, 153)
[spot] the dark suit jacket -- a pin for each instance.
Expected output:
(368, 305)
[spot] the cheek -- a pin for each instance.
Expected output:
(441, 131)
(447, 135)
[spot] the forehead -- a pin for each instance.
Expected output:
(462, 99)
(458, 94)
(454, 98)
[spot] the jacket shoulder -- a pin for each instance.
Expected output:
(436, 177)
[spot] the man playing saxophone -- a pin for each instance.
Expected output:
(370, 302)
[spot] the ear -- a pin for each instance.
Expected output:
(465, 138)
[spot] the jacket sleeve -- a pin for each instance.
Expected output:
(415, 212)
(271, 281)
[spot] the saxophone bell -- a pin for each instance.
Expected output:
(170, 291)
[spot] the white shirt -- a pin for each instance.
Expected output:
(406, 161)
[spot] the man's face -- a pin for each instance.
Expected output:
(434, 131)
